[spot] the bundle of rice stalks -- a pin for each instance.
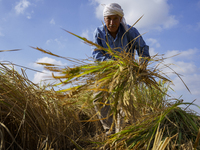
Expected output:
(124, 73)
(34, 117)
(180, 126)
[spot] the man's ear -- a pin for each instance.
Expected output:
(120, 19)
(104, 19)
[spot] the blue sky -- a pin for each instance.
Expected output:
(172, 26)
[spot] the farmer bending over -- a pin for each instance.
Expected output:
(112, 32)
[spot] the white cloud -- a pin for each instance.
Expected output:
(21, 6)
(188, 54)
(192, 81)
(182, 67)
(48, 42)
(152, 51)
(153, 42)
(38, 77)
(45, 74)
(47, 60)
(156, 13)
(52, 22)
(29, 17)
(183, 64)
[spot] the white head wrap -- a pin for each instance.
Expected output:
(115, 9)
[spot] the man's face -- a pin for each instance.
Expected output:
(112, 22)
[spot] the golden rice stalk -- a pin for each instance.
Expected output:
(159, 144)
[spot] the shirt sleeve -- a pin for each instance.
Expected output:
(139, 44)
(98, 55)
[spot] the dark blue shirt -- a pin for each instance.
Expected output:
(117, 44)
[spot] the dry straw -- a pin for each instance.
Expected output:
(38, 117)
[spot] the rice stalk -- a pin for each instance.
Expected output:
(36, 117)
(197, 140)
(158, 143)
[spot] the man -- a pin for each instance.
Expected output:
(113, 33)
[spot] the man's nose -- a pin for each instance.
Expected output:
(111, 21)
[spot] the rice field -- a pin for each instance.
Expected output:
(40, 117)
